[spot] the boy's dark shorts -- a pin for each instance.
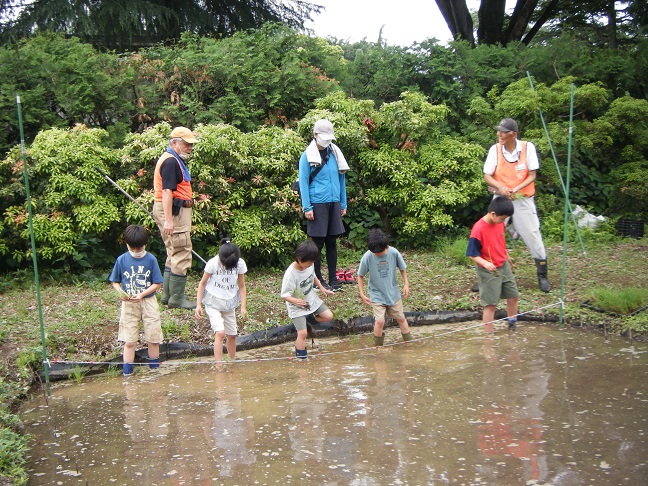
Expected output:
(496, 286)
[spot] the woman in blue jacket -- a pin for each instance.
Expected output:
(322, 186)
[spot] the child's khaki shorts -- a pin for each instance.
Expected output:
(148, 312)
(393, 311)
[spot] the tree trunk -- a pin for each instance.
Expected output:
(519, 20)
(457, 16)
(491, 21)
(611, 25)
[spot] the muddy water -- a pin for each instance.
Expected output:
(540, 406)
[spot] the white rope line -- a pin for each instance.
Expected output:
(318, 354)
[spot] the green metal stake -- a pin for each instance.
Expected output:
(553, 154)
(567, 208)
(33, 245)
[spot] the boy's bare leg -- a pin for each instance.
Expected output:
(378, 336)
(129, 358)
(325, 316)
(378, 327)
(404, 328)
(489, 317)
(230, 344)
(129, 352)
(300, 343)
(512, 307)
(154, 350)
(511, 312)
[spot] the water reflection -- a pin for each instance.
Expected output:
(539, 406)
(511, 425)
(232, 433)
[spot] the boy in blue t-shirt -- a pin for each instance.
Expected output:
(487, 248)
(136, 276)
(380, 262)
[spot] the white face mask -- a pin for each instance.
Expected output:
(138, 254)
(322, 143)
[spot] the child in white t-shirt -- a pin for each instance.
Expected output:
(221, 289)
(297, 289)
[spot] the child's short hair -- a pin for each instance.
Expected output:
(377, 241)
(307, 251)
(136, 236)
(229, 254)
(501, 206)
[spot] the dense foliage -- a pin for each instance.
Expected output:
(414, 122)
(406, 173)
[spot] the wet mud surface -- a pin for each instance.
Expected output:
(538, 406)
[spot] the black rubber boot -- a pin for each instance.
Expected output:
(165, 286)
(543, 281)
(301, 353)
(177, 298)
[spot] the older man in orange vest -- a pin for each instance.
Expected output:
(510, 171)
(172, 205)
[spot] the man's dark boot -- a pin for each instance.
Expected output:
(177, 298)
(379, 340)
(165, 286)
(543, 281)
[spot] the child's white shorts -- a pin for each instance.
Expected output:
(222, 320)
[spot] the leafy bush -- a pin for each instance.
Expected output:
(608, 144)
(404, 170)
(405, 176)
(415, 164)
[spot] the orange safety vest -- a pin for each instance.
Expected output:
(183, 189)
(512, 173)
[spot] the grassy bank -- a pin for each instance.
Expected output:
(81, 316)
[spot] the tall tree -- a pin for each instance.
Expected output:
(124, 24)
(495, 26)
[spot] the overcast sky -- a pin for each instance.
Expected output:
(405, 21)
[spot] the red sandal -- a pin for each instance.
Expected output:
(339, 275)
(348, 277)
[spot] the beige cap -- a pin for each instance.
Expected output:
(183, 133)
